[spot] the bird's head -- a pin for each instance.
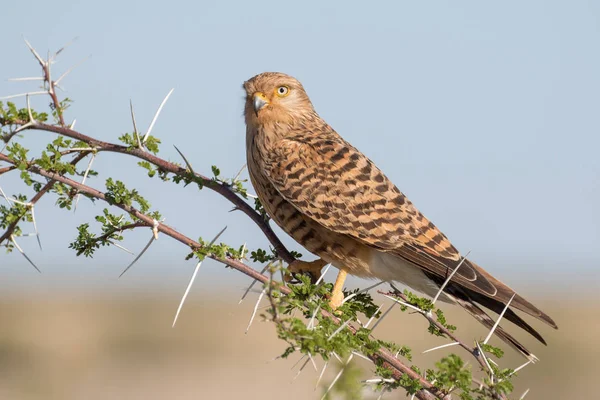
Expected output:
(275, 97)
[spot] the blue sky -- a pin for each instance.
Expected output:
(484, 114)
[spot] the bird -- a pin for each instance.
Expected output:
(335, 202)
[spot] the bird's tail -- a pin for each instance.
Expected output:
(488, 322)
(469, 300)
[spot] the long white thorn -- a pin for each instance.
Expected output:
(5, 196)
(156, 116)
(256, 308)
(121, 247)
(152, 239)
(31, 78)
(337, 377)
(417, 309)
(337, 357)
(85, 175)
(23, 94)
(252, 285)
(311, 322)
(12, 238)
(524, 394)
(37, 234)
(187, 290)
(373, 316)
(312, 360)
(338, 330)
(31, 120)
(235, 178)
(521, 367)
(67, 72)
(135, 129)
(383, 316)
(486, 360)
(193, 278)
(9, 199)
(243, 252)
(362, 356)
(35, 53)
(498, 320)
(450, 277)
(63, 48)
(517, 369)
(22, 128)
(48, 75)
(323, 274)
(362, 291)
(72, 126)
(186, 161)
(301, 368)
(441, 347)
(321, 374)
(298, 362)
(379, 380)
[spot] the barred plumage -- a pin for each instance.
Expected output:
(335, 202)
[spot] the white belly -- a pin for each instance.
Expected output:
(388, 267)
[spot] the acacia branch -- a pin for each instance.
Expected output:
(45, 189)
(474, 351)
(383, 356)
(7, 169)
(221, 188)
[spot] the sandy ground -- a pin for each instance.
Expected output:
(119, 347)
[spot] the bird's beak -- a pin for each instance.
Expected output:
(260, 100)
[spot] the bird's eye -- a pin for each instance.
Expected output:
(282, 91)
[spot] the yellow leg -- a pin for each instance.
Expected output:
(312, 267)
(337, 296)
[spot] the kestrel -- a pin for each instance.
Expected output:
(336, 203)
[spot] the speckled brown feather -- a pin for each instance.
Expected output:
(335, 202)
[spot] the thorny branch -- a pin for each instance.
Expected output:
(45, 189)
(382, 357)
(474, 351)
(221, 188)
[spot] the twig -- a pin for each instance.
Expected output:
(221, 188)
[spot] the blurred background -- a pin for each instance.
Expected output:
(485, 115)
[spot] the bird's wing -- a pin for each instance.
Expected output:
(337, 186)
(334, 184)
